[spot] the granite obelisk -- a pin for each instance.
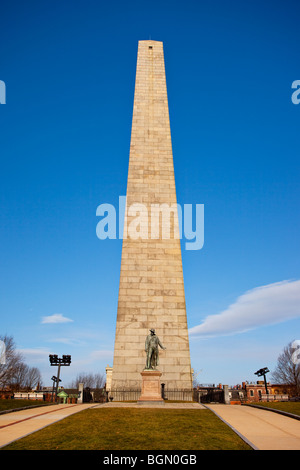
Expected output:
(151, 291)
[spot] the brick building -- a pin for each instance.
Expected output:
(256, 391)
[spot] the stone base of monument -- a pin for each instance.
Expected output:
(151, 390)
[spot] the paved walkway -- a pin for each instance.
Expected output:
(265, 430)
(18, 424)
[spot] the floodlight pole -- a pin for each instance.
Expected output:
(57, 382)
(54, 379)
(266, 387)
(263, 372)
(56, 361)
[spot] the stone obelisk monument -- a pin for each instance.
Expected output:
(151, 292)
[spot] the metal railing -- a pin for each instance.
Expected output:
(178, 395)
(124, 395)
(134, 395)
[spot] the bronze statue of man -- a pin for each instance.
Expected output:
(151, 348)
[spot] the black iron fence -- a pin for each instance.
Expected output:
(134, 395)
(124, 395)
(211, 396)
(200, 395)
(178, 395)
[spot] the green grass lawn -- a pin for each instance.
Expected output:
(14, 404)
(131, 429)
(288, 406)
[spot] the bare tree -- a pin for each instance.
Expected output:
(14, 373)
(99, 380)
(287, 370)
(195, 378)
(18, 377)
(35, 377)
(89, 380)
(32, 378)
(12, 362)
(82, 377)
(25, 377)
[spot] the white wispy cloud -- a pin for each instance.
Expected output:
(35, 355)
(56, 318)
(265, 305)
(69, 341)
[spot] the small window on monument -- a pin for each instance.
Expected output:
(150, 47)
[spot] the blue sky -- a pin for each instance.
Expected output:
(69, 70)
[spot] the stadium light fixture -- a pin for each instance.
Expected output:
(65, 360)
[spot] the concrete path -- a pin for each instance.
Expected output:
(18, 424)
(263, 429)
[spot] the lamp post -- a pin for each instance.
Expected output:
(263, 372)
(65, 360)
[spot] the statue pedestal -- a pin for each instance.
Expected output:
(151, 390)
